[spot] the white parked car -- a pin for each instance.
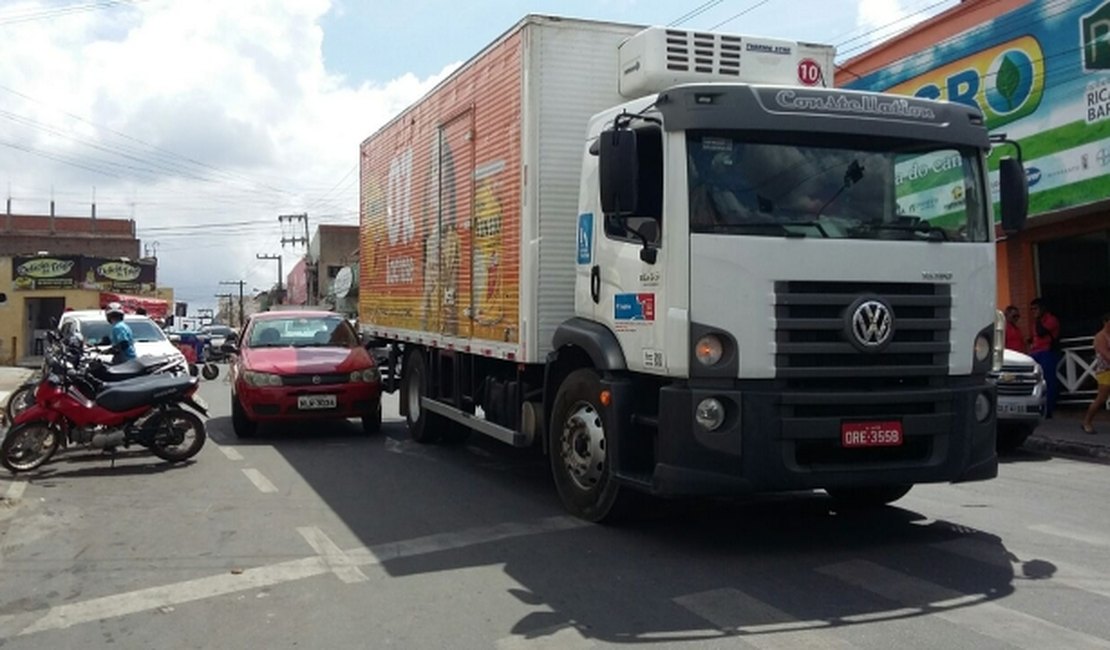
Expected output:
(1021, 399)
(150, 340)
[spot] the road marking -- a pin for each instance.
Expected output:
(231, 452)
(1032, 569)
(339, 562)
(261, 482)
(971, 611)
(757, 623)
(15, 490)
(133, 602)
(1072, 534)
(556, 637)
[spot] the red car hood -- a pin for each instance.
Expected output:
(309, 360)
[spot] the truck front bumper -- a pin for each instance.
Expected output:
(773, 440)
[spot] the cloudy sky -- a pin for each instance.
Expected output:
(203, 120)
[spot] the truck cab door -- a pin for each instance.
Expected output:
(627, 281)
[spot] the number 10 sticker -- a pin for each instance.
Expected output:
(809, 72)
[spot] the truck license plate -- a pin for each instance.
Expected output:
(871, 434)
(314, 402)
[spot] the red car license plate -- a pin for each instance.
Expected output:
(871, 434)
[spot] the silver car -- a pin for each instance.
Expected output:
(1021, 399)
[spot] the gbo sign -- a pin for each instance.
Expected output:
(1006, 81)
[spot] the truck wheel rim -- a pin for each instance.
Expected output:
(583, 446)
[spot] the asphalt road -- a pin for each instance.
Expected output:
(319, 537)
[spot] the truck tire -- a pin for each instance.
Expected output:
(862, 498)
(1011, 437)
(576, 446)
(424, 427)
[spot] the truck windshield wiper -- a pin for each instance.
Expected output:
(813, 223)
(931, 232)
(734, 228)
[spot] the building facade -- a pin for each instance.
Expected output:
(1040, 72)
(49, 264)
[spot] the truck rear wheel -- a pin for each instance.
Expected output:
(576, 446)
(424, 427)
(858, 498)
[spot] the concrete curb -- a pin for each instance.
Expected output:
(1068, 447)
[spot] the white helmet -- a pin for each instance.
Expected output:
(113, 308)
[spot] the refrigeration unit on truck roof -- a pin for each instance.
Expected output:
(659, 57)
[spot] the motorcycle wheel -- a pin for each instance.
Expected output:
(20, 400)
(29, 445)
(210, 371)
(170, 431)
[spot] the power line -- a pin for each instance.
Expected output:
(694, 13)
(745, 11)
(46, 14)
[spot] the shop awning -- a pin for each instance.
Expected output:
(155, 308)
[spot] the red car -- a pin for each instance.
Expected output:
(301, 365)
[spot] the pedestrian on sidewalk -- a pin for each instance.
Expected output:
(1014, 340)
(1101, 370)
(1044, 346)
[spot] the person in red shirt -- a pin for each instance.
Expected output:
(1014, 338)
(1044, 341)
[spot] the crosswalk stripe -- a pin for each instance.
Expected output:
(972, 612)
(1063, 573)
(759, 624)
(1072, 534)
(560, 637)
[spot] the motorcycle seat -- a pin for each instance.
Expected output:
(131, 368)
(132, 394)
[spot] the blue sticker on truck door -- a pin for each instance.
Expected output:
(634, 307)
(585, 237)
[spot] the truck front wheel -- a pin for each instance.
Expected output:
(577, 448)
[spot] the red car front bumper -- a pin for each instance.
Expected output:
(271, 403)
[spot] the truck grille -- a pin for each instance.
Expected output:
(812, 342)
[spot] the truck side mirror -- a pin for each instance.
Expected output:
(618, 171)
(1014, 194)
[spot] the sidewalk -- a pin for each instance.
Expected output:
(10, 379)
(1063, 435)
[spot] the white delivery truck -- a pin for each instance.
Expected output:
(682, 265)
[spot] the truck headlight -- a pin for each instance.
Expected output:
(709, 350)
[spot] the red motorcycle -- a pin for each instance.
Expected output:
(72, 407)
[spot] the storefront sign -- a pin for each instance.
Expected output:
(45, 272)
(79, 272)
(1041, 75)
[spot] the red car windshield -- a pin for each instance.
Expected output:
(302, 331)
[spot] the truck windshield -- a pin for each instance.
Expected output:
(838, 188)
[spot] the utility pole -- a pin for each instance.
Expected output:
(240, 283)
(281, 276)
(229, 298)
(294, 238)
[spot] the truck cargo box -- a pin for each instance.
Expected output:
(469, 196)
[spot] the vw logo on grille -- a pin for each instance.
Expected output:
(316, 379)
(870, 324)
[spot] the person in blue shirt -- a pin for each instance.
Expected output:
(123, 341)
